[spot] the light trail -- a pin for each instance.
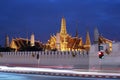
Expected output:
(49, 70)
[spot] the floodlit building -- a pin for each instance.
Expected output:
(22, 43)
(62, 41)
(107, 42)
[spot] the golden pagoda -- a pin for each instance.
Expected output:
(64, 42)
(88, 42)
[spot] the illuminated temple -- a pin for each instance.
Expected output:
(62, 41)
(20, 44)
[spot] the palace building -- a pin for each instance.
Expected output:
(62, 41)
(100, 40)
(22, 43)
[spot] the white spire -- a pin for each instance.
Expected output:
(32, 40)
(58, 41)
(7, 41)
(96, 35)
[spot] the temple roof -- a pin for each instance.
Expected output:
(21, 42)
(104, 40)
(74, 43)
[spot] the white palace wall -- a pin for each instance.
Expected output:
(49, 58)
(74, 59)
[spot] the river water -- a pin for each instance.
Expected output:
(16, 76)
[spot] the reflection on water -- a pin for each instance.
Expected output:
(15, 76)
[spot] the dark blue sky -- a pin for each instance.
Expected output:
(43, 18)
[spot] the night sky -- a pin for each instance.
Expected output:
(21, 18)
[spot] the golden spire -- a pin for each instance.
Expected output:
(63, 30)
(81, 42)
(88, 42)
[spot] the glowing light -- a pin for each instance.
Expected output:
(99, 53)
(31, 69)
